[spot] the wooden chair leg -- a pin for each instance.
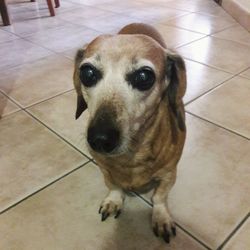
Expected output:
(4, 12)
(57, 3)
(51, 8)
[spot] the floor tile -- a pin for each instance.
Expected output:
(31, 157)
(236, 33)
(33, 82)
(222, 54)
(81, 14)
(70, 53)
(156, 13)
(90, 2)
(23, 13)
(7, 106)
(246, 73)
(109, 24)
(201, 78)
(27, 27)
(198, 6)
(64, 216)
(63, 38)
(241, 239)
(56, 111)
(201, 23)
(18, 51)
(6, 36)
(41, 5)
(122, 7)
(210, 196)
(227, 106)
(175, 37)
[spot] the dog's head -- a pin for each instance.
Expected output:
(122, 79)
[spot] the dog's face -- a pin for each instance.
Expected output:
(121, 79)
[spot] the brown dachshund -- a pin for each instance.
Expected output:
(133, 87)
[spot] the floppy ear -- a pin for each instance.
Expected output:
(81, 103)
(176, 76)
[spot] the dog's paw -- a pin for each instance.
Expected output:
(163, 225)
(112, 204)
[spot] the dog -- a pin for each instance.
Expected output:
(133, 86)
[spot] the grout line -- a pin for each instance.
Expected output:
(49, 98)
(234, 231)
(57, 134)
(177, 224)
(44, 187)
(217, 125)
(208, 65)
(217, 86)
(210, 90)
(182, 45)
(194, 237)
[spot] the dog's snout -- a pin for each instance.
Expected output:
(103, 139)
(103, 133)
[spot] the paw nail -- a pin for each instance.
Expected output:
(118, 214)
(155, 230)
(105, 216)
(173, 230)
(100, 209)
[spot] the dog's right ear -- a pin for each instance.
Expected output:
(81, 103)
(81, 106)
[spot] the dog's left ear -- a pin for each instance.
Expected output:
(176, 77)
(81, 103)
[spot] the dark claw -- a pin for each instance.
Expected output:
(105, 216)
(165, 234)
(155, 230)
(100, 209)
(173, 231)
(118, 213)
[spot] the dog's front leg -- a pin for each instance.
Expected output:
(162, 223)
(113, 202)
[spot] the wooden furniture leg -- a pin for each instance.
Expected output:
(51, 7)
(57, 3)
(4, 12)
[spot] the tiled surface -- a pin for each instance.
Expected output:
(36, 81)
(246, 73)
(227, 106)
(31, 157)
(68, 211)
(176, 37)
(210, 197)
(63, 38)
(27, 27)
(6, 106)
(201, 78)
(211, 194)
(235, 33)
(6, 36)
(223, 54)
(202, 23)
(241, 240)
(18, 51)
(59, 114)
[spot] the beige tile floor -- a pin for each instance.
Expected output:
(48, 199)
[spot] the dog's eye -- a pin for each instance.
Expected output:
(89, 75)
(142, 79)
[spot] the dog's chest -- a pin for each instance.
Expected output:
(131, 177)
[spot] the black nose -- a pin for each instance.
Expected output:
(103, 139)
